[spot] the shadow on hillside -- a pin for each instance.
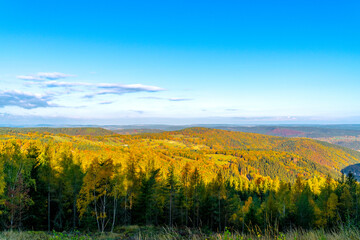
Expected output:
(355, 169)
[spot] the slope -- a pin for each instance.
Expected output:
(266, 155)
(237, 154)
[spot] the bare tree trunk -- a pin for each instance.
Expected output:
(114, 214)
(12, 212)
(219, 213)
(49, 207)
(130, 208)
(103, 214)
(186, 211)
(125, 210)
(96, 213)
(194, 216)
(20, 214)
(74, 213)
(170, 211)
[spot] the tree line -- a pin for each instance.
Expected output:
(48, 186)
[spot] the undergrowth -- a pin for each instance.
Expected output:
(166, 233)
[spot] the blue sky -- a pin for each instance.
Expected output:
(111, 62)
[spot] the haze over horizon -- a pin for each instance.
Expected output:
(179, 62)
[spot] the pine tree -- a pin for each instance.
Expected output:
(171, 192)
(146, 210)
(305, 209)
(346, 204)
(186, 191)
(72, 178)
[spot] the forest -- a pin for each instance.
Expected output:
(213, 180)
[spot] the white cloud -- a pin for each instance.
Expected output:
(106, 102)
(130, 87)
(24, 100)
(45, 76)
(179, 99)
(99, 88)
(52, 84)
(28, 77)
(168, 99)
(54, 75)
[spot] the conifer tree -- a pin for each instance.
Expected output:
(146, 204)
(171, 191)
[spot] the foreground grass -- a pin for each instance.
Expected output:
(137, 233)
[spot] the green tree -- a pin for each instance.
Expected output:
(96, 190)
(305, 209)
(72, 179)
(146, 205)
(171, 189)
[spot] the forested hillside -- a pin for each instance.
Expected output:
(343, 135)
(267, 155)
(132, 131)
(311, 131)
(195, 177)
(73, 131)
(352, 142)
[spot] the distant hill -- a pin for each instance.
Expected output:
(309, 131)
(352, 142)
(296, 131)
(342, 135)
(265, 155)
(68, 131)
(132, 131)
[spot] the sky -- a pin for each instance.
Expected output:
(125, 62)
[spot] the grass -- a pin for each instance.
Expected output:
(39, 235)
(150, 232)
